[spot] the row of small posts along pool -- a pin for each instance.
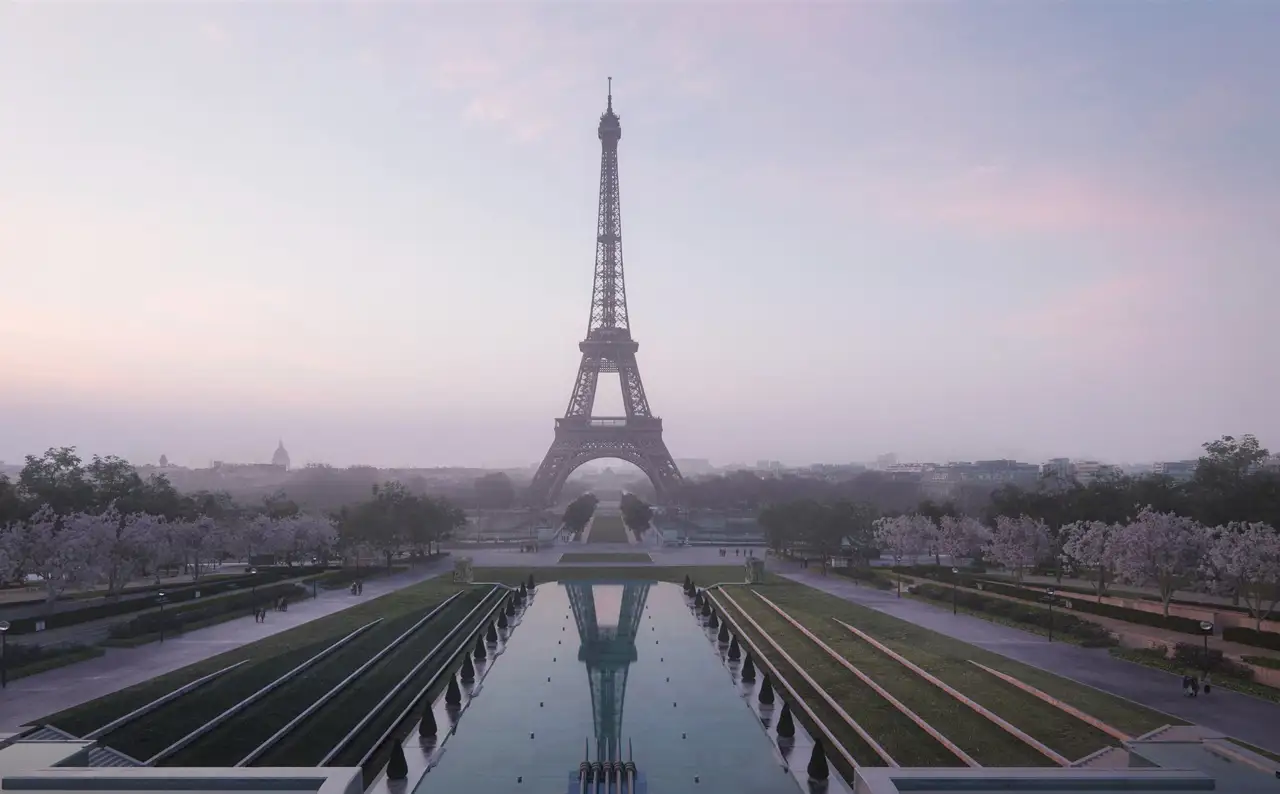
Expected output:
(613, 687)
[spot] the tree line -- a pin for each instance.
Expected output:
(1215, 532)
(69, 524)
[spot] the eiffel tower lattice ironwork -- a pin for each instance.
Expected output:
(608, 653)
(608, 347)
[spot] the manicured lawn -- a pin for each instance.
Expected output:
(588, 556)
(897, 734)
(608, 529)
(237, 737)
(322, 731)
(84, 718)
(948, 659)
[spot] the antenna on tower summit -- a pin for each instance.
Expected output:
(610, 93)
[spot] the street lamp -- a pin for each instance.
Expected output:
(955, 579)
(4, 662)
(160, 599)
(1206, 628)
(1051, 592)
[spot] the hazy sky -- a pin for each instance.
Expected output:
(952, 230)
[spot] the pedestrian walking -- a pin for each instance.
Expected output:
(1207, 683)
(1195, 686)
(1186, 686)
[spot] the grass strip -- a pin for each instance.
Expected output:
(987, 742)
(307, 744)
(145, 737)
(54, 662)
(239, 736)
(608, 529)
(589, 556)
(903, 739)
(80, 720)
(862, 752)
(947, 658)
(1252, 748)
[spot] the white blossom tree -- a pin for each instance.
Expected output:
(1090, 546)
(1248, 555)
(961, 537)
(10, 553)
(1160, 549)
(1018, 543)
(62, 551)
(200, 542)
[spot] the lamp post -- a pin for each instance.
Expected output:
(160, 599)
(1206, 628)
(955, 579)
(1051, 592)
(4, 662)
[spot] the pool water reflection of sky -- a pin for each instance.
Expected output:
(657, 684)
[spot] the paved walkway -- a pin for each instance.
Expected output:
(1247, 718)
(35, 696)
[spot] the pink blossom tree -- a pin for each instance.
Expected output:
(1089, 546)
(201, 541)
(1160, 549)
(1018, 543)
(1248, 555)
(900, 536)
(961, 537)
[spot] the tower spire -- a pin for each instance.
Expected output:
(610, 108)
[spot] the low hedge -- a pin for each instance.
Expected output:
(1269, 662)
(1246, 636)
(1090, 635)
(23, 660)
(1172, 622)
(866, 576)
(175, 619)
(343, 577)
(173, 595)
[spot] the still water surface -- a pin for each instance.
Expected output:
(659, 686)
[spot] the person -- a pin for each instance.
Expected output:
(1207, 683)
(1186, 686)
(1195, 686)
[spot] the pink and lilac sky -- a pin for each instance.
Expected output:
(951, 230)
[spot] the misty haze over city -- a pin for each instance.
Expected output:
(367, 229)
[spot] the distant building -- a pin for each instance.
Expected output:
(1059, 468)
(695, 466)
(885, 461)
(281, 458)
(1180, 470)
(164, 461)
(1088, 471)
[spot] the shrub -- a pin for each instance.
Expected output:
(176, 618)
(1088, 634)
(1269, 662)
(173, 595)
(866, 576)
(1246, 636)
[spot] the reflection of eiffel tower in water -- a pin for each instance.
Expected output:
(607, 652)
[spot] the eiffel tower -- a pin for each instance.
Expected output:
(607, 653)
(608, 347)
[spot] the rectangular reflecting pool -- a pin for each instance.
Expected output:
(610, 666)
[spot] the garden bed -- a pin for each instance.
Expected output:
(589, 556)
(1027, 617)
(1157, 658)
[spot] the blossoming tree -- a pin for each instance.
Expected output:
(1018, 543)
(1160, 549)
(1089, 546)
(1248, 555)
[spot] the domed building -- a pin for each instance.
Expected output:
(281, 458)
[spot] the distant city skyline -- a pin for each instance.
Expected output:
(849, 228)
